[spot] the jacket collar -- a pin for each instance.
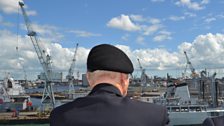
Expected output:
(105, 87)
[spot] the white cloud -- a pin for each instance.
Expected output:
(204, 1)
(176, 18)
(209, 20)
(192, 5)
(184, 46)
(126, 49)
(163, 35)
(4, 23)
(207, 50)
(62, 57)
(140, 40)
(123, 22)
(137, 18)
(189, 14)
(154, 21)
(9, 55)
(80, 33)
(31, 13)
(43, 29)
(141, 19)
(11, 6)
(156, 58)
(125, 37)
(149, 30)
(220, 16)
(10, 58)
(157, 0)
(46, 32)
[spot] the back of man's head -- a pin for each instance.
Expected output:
(108, 64)
(110, 58)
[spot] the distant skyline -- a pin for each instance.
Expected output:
(155, 31)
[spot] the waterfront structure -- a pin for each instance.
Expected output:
(13, 97)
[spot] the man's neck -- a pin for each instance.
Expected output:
(118, 86)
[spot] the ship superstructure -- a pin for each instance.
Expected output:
(187, 107)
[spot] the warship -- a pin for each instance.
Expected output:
(191, 101)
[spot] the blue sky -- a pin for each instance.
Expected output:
(180, 22)
(155, 31)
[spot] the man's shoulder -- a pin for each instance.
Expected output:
(148, 111)
(65, 107)
(215, 121)
(60, 114)
(61, 108)
(219, 121)
(145, 105)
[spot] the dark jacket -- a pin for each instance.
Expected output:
(216, 121)
(105, 106)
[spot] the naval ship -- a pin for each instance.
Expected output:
(191, 101)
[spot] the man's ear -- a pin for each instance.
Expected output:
(87, 75)
(124, 83)
(88, 79)
(124, 80)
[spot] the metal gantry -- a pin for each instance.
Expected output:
(193, 73)
(70, 75)
(188, 64)
(144, 76)
(44, 59)
(140, 66)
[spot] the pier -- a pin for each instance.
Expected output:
(24, 118)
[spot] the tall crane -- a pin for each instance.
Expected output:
(140, 66)
(44, 59)
(144, 76)
(193, 73)
(70, 76)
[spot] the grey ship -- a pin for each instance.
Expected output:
(193, 100)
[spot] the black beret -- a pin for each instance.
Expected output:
(108, 57)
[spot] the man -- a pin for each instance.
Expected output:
(108, 70)
(215, 121)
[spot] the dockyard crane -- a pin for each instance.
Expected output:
(3, 89)
(70, 76)
(144, 77)
(193, 73)
(44, 59)
(140, 66)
